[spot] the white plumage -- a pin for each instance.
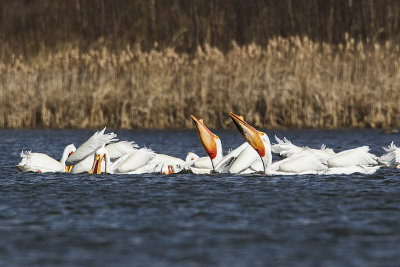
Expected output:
(97, 140)
(285, 149)
(39, 162)
(352, 157)
(136, 160)
(392, 156)
(114, 151)
(305, 160)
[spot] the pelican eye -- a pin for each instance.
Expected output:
(216, 136)
(261, 133)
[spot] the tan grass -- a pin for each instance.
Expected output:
(291, 82)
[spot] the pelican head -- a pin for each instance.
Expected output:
(68, 150)
(168, 169)
(191, 157)
(258, 140)
(99, 155)
(211, 142)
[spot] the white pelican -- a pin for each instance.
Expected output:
(212, 145)
(345, 162)
(114, 151)
(391, 158)
(303, 163)
(39, 162)
(238, 160)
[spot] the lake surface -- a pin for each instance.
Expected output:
(196, 220)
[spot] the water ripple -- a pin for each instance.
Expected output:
(185, 219)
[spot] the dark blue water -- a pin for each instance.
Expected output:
(196, 220)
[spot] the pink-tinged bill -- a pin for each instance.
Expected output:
(206, 137)
(249, 133)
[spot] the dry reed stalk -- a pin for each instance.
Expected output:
(291, 82)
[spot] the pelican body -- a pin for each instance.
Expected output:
(307, 161)
(39, 162)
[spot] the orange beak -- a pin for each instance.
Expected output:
(206, 137)
(249, 133)
(96, 168)
(68, 168)
(170, 170)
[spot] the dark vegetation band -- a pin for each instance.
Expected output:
(30, 26)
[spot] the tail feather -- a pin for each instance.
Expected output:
(391, 157)
(25, 153)
(390, 148)
(285, 148)
(97, 140)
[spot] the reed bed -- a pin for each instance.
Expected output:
(291, 82)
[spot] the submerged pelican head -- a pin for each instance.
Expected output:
(191, 157)
(168, 169)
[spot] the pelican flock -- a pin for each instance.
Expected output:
(104, 153)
